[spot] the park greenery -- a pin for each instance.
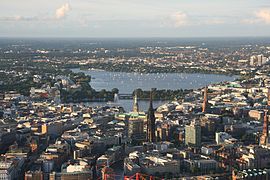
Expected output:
(18, 76)
(145, 68)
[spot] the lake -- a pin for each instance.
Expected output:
(128, 82)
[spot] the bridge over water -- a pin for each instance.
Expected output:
(125, 96)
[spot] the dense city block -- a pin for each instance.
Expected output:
(51, 128)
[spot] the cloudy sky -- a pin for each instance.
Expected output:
(134, 18)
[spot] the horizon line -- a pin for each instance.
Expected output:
(126, 37)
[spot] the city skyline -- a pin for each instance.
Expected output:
(76, 108)
(120, 18)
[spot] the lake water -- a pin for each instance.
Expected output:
(128, 82)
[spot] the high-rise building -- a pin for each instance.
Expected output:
(252, 60)
(264, 137)
(151, 120)
(193, 134)
(135, 103)
(260, 60)
(205, 100)
(135, 129)
(264, 60)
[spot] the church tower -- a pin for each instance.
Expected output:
(151, 120)
(264, 136)
(205, 100)
(135, 103)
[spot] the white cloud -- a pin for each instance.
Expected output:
(263, 15)
(179, 19)
(260, 16)
(62, 11)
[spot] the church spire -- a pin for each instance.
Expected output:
(151, 120)
(135, 103)
(205, 100)
(264, 137)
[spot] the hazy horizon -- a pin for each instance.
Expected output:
(134, 18)
(129, 37)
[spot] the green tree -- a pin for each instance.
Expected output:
(115, 91)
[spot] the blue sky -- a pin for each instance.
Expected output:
(134, 18)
